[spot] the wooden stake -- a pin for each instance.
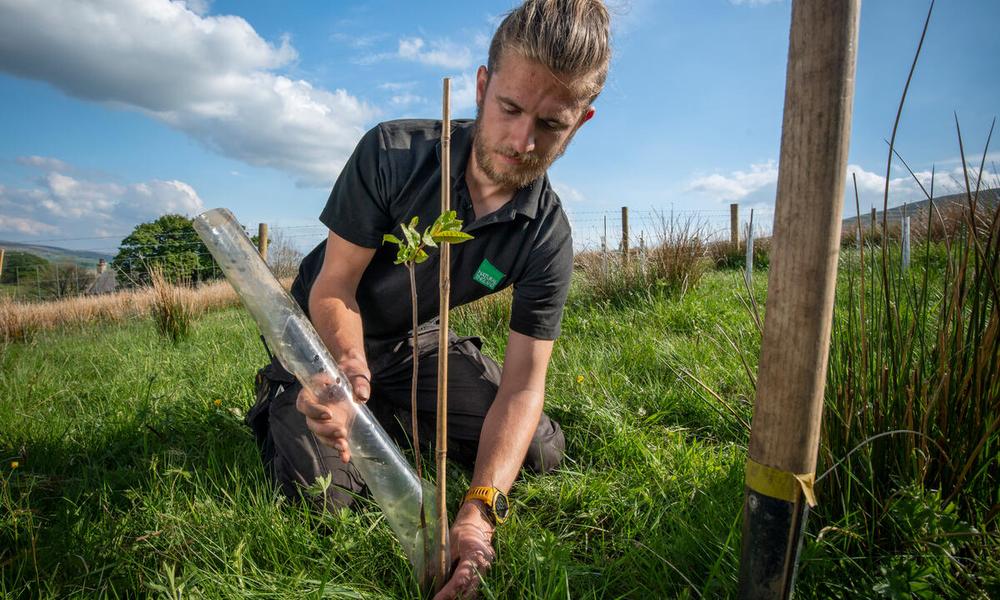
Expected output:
(442, 558)
(2, 251)
(784, 440)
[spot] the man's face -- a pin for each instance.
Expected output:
(525, 119)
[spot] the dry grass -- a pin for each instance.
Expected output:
(20, 320)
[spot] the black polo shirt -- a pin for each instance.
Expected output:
(395, 174)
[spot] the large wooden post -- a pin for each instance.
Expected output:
(784, 439)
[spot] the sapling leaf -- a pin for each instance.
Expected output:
(391, 238)
(452, 236)
(412, 237)
(420, 256)
(428, 238)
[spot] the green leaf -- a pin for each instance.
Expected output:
(421, 256)
(412, 237)
(428, 239)
(391, 238)
(452, 236)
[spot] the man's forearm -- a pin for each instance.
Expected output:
(338, 321)
(507, 432)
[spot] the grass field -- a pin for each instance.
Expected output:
(127, 471)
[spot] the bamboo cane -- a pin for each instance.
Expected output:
(442, 380)
(784, 439)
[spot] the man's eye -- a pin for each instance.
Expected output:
(510, 110)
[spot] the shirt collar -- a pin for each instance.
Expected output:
(526, 200)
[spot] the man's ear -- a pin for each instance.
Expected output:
(587, 115)
(482, 80)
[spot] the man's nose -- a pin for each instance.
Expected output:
(523, 139)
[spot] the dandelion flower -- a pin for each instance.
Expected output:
(579, 378)
(218, 402)
(14, 464)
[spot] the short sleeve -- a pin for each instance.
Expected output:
(358, 207)
(540, 294)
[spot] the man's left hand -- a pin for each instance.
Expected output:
(471, 547)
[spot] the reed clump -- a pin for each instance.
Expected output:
(911, 436)
(674, 263)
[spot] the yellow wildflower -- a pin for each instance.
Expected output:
(218, 402)
(14, 464)
(579, 378)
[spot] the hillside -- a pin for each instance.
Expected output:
(990, 197)
(83, 258)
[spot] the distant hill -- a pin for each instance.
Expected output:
(83, 258)
(987, 198)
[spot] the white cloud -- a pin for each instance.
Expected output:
(70, 206)
(25, 226)
(438, 53)
(463, 95)
(43, 162)
(568, 194)
(737, 184)
(397, 86)
(406, 99)
(212, 77)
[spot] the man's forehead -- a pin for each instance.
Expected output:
(507, 81)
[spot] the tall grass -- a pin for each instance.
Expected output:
(20, 321)
(173, 308)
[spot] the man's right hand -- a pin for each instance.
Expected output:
(328, 416)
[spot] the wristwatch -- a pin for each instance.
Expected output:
(498, 509)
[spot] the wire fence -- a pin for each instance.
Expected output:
(184, 259)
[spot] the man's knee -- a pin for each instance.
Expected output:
(548, 446)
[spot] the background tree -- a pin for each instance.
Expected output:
(65, 279)
(282, 256)
(168, 243)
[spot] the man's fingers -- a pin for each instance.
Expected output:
(464, 583)
(362, 387)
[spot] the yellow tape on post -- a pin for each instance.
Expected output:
(780, 484)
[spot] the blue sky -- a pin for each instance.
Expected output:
(113, 112)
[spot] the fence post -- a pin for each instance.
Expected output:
(906, 243)
(642, 252)
(625, 236)
(749, 266)
(2, 251)
(734, 224)
(262, 240)
(788, 407)
(38, 282)
(604, 248)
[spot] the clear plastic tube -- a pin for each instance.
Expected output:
(291, 336)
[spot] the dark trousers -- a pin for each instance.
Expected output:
(294, 458)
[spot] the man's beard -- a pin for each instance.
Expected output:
(531, 167)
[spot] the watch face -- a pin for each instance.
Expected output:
(501, 507)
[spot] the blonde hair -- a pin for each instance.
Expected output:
(570, 37)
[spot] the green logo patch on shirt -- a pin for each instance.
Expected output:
(488, 275)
